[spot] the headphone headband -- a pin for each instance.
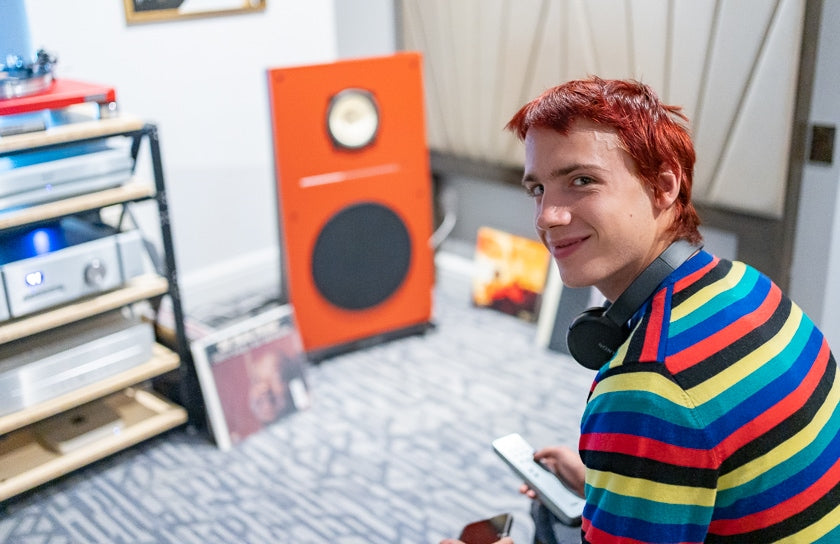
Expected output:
(641, 288)
(597, 333)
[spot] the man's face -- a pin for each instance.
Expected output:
(593, 213)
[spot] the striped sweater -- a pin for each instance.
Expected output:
(717, 420)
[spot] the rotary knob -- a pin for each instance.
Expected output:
(95, 273)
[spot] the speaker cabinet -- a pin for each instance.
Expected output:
(355, 204)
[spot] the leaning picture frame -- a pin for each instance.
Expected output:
(150, 11)
(251, 374)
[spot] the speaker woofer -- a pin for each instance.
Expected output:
(361, 256)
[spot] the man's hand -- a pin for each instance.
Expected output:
(565, 464)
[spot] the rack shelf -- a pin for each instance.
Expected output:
(84, 130)
(26, 463)
(130, 191)
(137, 289)
(163, 360)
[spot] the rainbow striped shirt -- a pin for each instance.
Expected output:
(717, 420)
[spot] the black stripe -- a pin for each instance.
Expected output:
(721, 360)
(788, 527)
(631, 367)
(716, 273)
(637, 339)
(655, 471)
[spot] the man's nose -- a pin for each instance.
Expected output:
(552, 214)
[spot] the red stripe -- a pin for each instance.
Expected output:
(782, 511)
(647, 448)
(682, 283)
(593, 535)
(726, 336)
(782, 409)
(650, 348)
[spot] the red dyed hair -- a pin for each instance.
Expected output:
(655, 135)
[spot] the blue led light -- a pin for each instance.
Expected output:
(42, 241)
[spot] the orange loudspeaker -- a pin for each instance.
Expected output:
(355, 202)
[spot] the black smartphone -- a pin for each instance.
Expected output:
(487, 530)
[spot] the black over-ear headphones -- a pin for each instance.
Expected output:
(596, 334)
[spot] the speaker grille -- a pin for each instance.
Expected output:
(361, 256)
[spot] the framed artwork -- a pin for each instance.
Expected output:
(149, 11)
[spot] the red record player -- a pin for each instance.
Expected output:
(60, 94)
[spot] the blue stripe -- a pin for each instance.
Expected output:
(662, 532)
(642, 402)
(644, 425)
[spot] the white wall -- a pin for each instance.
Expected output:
(365, 28)
(203, 82)
(816, 260)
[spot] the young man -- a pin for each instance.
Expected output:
(717, 419)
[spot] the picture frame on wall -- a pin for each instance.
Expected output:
(149, 11)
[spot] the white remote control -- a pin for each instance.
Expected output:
(519, 455)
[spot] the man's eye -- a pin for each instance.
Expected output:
(580, 181)
(534, 190)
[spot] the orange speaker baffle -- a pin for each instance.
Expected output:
(354, 199)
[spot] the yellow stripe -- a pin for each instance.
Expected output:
(621, 352)
(786, 449)
(698, 299)
(649, 490)
(745, 366)
(814, 532)
(648, 382)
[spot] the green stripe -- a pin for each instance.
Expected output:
(712, 306)
(647, 510)
(642, 402)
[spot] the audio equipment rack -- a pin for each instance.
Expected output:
(147, 399)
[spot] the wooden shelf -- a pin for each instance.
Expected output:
(95, 128)
(132, 190)
(136, 289)
(25, 463)
(163, 360)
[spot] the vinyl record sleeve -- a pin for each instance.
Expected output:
(509, 274)
(252, 374)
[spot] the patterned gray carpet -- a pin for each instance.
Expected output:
(395, 449)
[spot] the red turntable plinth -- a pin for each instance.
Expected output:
(61, 94)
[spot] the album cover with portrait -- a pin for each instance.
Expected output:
(252, 374)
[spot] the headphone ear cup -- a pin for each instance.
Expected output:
(593, 338)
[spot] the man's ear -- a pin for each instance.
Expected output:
(668, 184)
